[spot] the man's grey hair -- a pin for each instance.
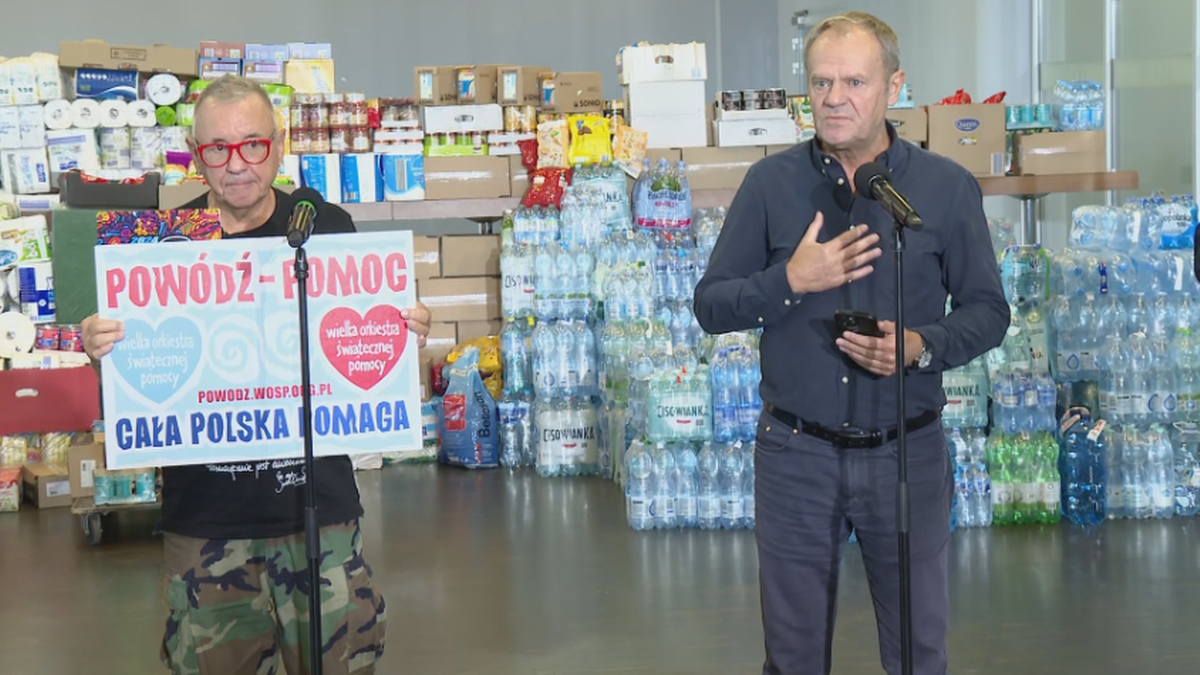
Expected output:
(844, 23)
(231, 88)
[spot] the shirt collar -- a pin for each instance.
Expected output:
(894, 158)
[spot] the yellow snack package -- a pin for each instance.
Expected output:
(591, 139)
(495, 386)
(489, 354)
(552, 145)
(630, 149)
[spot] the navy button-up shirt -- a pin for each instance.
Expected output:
(803, 371)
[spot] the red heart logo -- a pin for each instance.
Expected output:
(364, 349)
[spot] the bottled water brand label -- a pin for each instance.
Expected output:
(683, 415)
(685, 507)
(1068, 362)
(1028, 493)
(662, 507)
(1051, 497)
(1163, 499)
(732, 508)
(709, 508)
(566, 438)
(636, 508)
(1031, 397)
(1002, 493)
(748, 506)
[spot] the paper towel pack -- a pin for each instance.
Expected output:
(362, 180)
(403, 177)
(10, 127)
(72, 149)
(29, 171)
(323, 173)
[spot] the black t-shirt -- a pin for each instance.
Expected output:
(213, 502)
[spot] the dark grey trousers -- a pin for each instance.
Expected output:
(808, 496)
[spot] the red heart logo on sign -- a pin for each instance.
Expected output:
(364, 349)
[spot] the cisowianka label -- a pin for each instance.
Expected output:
(681, 416)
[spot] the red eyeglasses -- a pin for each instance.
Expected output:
(217, 155)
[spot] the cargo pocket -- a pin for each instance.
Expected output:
(230, 637)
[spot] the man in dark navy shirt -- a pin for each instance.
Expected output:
(234, 556)
(798, 245)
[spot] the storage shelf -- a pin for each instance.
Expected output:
(493, 209)
(1028, 186)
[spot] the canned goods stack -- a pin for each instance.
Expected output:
(754, 99)
(59, 338)
(330, 124)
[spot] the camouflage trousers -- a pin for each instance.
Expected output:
(240, 606)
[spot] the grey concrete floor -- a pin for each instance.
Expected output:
(487, 572)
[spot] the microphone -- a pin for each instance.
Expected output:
(304, 215)
(874, 181)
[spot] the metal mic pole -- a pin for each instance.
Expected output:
(902, 515)
(312, 533)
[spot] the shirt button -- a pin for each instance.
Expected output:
(826, 160)
(845, 425)
(845, 380)
(787, 302)
(760, 319)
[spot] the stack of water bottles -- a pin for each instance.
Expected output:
(1079, 105)
(965, 420)
(673, 485)
(1022, 452)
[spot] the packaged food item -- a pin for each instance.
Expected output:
(399, 113)
(469, 417)
(10, 489)
(359, 110)
(630, 149)
(301, 141)
(520, 119)
(553, 144)
(339, 111)
(320, 142)
(339, 140)
(546, 187)
(360, 139)
(54, 449)
(14, 451)
(591, 140)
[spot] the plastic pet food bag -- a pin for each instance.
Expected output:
(469, 420)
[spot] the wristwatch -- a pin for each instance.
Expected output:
(924, 358)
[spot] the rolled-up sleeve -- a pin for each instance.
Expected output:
(741, 290)
(979, 313)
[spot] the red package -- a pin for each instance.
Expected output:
(960, 97)
(546, 187)
(529, 153)
(438, 380)
(996, 98)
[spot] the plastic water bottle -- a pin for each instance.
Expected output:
(512, 441)
(981, 481)
(1144, 407)
(1084, 472)
(515, 352)
(545, 361)
(687, 507)
(1114, 492)
(639, 487)
(960, 453)
(663, 505)
(732, 499)
(1161, 474)
(708, 488)
(1135, 464)
(749, 398)
(1187, 471)
(585, 360)
(748, 504)
(1047, 396)
(725, 409)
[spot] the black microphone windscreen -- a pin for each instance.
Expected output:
(307, 194)
(867, 174)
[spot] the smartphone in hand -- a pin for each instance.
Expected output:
(851, 321)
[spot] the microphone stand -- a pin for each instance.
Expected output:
(312, 533)
(902, 506)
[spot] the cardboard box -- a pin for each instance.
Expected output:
(479, 89)
(463, 299)
(469, 330)
(720, 168)
(427, 257)
(222, 50)
(911, 124)
(426, 370)
(662, 63)
(256, 51)
(436, 85)
(1061, 152)
(974, 135)
(474, 255)
(520, 85)
(303, 51)
(573, 92)
(142, 58)
(310, 76)
(215, 69)
(673, 114)
(175, 196)
(442, 339)
(462, 119)
(518, 176)
(269, 72)
(45, 487)
(466, 177)
(82, 462)
(775, 149)
(742, 133)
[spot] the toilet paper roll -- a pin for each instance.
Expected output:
(174, 139)
(115, 149)
(142, 114)
(85, 113)
(146, 148)
(114, 113)
(13, 281)
(164, 89)
(57, 115)
(17, 334)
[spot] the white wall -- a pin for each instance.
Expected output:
(983, 46)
